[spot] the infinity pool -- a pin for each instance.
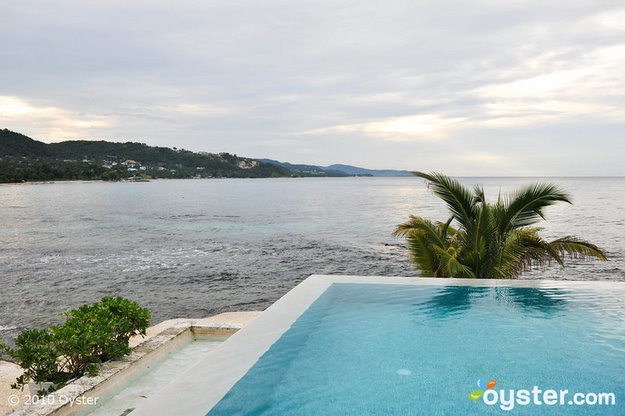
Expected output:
(420, 349)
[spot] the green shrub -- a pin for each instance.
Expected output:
(126, 319)
(90, 335)
(36, 354)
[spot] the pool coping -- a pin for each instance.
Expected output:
(199, 389)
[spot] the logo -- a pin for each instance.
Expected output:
(508, 399)
(477, 394)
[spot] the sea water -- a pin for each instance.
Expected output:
(193, 248)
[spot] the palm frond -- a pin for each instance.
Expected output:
(525, 206)
(445, 227)
(452, 266)
(423, 238)
(577, 248)
(434, 231)
(536, 250)
(478, 194)
(524, 249)
(423, 255)
(459, 199)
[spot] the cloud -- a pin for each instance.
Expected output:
(539, 86)
(609, 21)
(483, 159)
(568, 96)
(57, 123)
(390, 86)
(398, 129)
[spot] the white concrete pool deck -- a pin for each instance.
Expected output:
(200, 388)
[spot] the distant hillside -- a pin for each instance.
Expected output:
(25, 159)
(353, 170)
(337, 170)
(306, 170)
(16, 144)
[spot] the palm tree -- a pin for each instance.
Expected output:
(488, 240)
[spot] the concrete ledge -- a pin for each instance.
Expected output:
(160, 340)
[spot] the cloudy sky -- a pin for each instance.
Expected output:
(463, 87)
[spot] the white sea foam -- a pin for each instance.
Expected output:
(7, 328)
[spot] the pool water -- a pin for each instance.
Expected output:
(384, 349)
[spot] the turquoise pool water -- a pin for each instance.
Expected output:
(370, 349)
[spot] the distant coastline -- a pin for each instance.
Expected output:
(58, 181)
(25, 160)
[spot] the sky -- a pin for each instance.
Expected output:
(471, 88)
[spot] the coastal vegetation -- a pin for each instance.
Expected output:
(90, 335)
(24, 159)
(494, 240)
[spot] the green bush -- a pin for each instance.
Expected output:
(36, 353)
(90, 335)
(127, 317)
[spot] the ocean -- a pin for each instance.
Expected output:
(194, 248)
